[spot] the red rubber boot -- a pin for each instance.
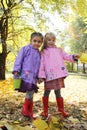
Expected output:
(45, 107)
(31, 110)
(60, 104)
(25, 108)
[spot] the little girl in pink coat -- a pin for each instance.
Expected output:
(53, 71)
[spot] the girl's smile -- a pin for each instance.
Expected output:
(50, 42)
(36, 42)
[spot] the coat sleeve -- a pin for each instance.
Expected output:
(68, 57)
(18, 61)
(42, 68)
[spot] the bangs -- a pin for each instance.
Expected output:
(50, 35)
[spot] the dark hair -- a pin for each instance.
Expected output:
(36, 34)
(46, 37)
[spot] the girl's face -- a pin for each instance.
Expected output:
(50, 41)
(36, 42)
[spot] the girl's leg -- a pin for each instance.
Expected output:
(29, 95)
(57, 93)
(45, 103)
(46, 93)
(60, 103)
(27, 109)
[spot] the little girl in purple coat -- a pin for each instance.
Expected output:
(53, 71)
(26, 66)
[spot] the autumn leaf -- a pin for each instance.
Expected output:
(40, 124)
(75, 102)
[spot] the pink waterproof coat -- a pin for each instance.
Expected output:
(52, 64)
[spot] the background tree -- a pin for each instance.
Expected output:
(78, 37)
(18, 18)
(5, 15)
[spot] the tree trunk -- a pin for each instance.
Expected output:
(72, 67)
(3, 55)
(77, 65)
(2, 66)
(84, 68)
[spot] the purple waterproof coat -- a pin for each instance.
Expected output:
(27, 64)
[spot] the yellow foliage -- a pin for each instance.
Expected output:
(6, 88)
(54, 124)
(82, 7)
(40, 124)
(83, 57)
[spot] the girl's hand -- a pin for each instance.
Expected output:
(40, 80)
(16, 73)
(76, 56)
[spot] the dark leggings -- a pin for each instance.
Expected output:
(57, 93)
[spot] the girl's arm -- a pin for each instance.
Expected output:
(18, 62)
(70, 57)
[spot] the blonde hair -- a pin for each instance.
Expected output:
(46, 37)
